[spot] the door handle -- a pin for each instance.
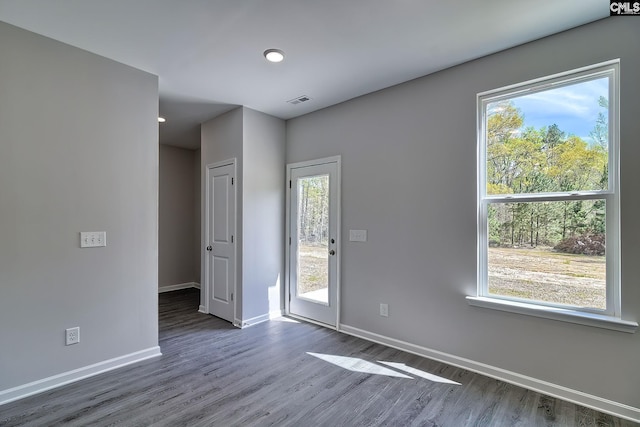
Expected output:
(209, 248)
(332, 252)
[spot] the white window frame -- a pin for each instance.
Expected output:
(611, 316)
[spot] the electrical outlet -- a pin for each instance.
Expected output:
(384, 310)
(73, 335)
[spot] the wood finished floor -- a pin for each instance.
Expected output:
(212, 374)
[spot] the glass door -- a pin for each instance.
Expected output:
(313, 250)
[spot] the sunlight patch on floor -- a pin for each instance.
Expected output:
(418, 373)
(284, 319)
(355, 364)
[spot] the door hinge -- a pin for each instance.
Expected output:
(289, 241)
(289, 297)
(232, 238)
(232, 180)
(231, 296)
(289, 183)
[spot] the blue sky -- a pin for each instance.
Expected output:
(573, 108)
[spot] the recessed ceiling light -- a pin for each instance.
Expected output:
(161, 120)
(274, 55)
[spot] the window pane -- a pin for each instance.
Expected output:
(313, 238)
(548, 251)
(555, 140)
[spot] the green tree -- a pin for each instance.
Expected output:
(503, 124)
(600, 132)
(537, 161)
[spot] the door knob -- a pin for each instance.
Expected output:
(209, 248)
(332, 252)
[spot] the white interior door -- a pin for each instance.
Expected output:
(313, 226)
(220, 245)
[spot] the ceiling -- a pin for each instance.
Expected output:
(208, 54)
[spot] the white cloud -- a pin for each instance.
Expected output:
(574, 108)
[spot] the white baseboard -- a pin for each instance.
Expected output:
(550, 389)
(187, 285)
(258, 319)
(64, 378)
(202, 309)
(254, 320)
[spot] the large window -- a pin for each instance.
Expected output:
(548, 194)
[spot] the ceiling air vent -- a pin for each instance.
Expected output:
(299, 100)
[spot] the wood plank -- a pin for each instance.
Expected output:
(212, 374)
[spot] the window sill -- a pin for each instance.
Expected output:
(553, 313)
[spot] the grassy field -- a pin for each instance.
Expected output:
(533, 273)
(544, 275)
(313, 268)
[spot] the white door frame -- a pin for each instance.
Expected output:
(290, 166)
(207, 225)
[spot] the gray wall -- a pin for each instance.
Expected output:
(222, 140)
(257, 141)
(263, 219)
(409, 178)
(78, 152)
(177, 263)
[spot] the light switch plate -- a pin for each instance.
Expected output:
(357, 235)
(384, 310)
(93, 239)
